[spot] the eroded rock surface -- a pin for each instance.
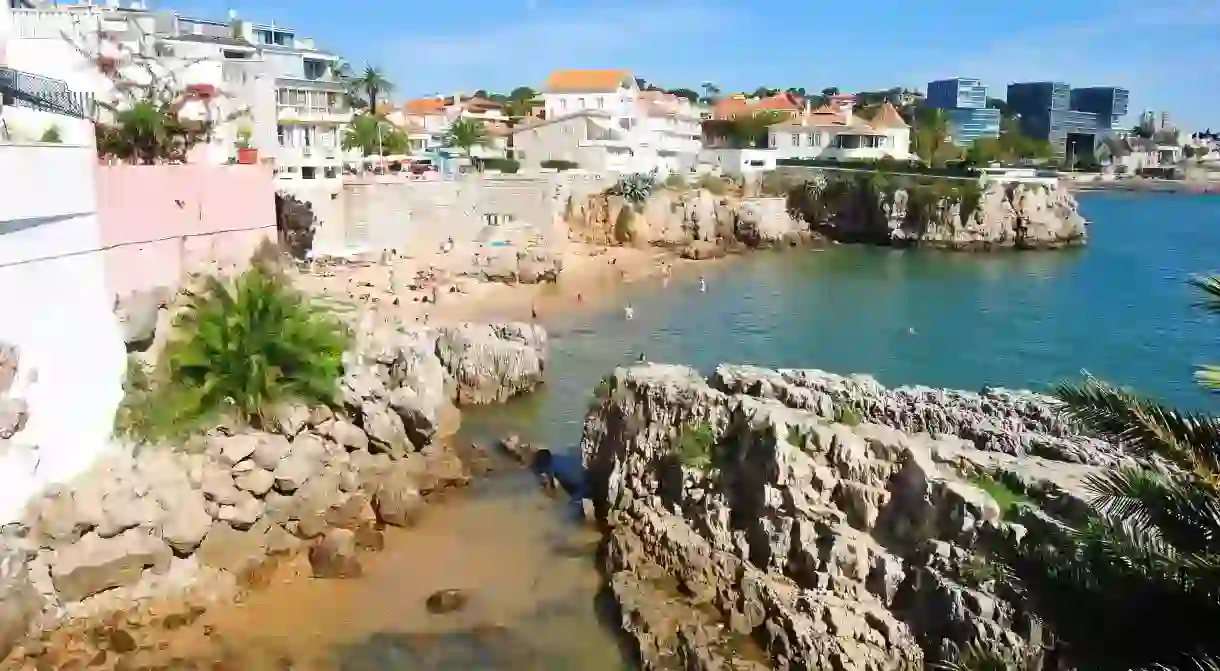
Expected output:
(747, 529)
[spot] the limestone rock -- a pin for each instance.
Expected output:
(334, 555)
(257, 481)
(137, 313)
(385, 430)
(349, 435)
(398, 500)
(492, 363)
(94, 564)
(291, 418)
(231, 550)
(20, 601)
(307, 459)
(12, 416)
(269, 450)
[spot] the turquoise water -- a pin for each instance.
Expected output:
(1119, 308)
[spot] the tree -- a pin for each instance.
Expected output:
(1146, 563)
(931, 137)
(684, 93)
(372, 83)
(797, 91)
(830, 91)
(374, 136)
(711, 93)
(466, 134)
(1006, 111)
(523, 93)
(764, 92)
(747, 131)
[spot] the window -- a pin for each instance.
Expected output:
(774, 141)
(234, 55)
(563, 103)
(817, 139)
(309, 136)
(580, 102)
(314, 69)
(330, 172)
(601, 102)
(308, 172)
(281, 132)
(810, 138)
(796, 139)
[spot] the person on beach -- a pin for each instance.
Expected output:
(642, 359)
(629, 312)
(534, 311)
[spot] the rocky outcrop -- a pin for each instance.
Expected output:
(947, 213)
(152, 522)
(680, 218)
(747, 529)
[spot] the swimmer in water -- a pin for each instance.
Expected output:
(580, 298)
(702, 285)
(629, 312)
(911, 330)
(642, 359)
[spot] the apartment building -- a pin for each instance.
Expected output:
(427, 120)
(260, 79)
(964, 103)
(602, 120)
(1073, 124)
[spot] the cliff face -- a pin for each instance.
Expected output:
(939, 212)
(747, 529)
(674, 218)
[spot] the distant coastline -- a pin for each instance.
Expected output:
(1195, 187)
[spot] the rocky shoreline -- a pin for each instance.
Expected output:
(796, 519)
(152, 534)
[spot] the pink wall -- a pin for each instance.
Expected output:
(160, 222)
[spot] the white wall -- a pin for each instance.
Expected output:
(739, 162)
(812, 142)
(57, 312)
(619, 103)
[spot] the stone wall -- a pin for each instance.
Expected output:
(746, 528)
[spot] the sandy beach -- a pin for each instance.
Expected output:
(390, 290)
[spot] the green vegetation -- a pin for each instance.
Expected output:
(976, 658)
(635, 188)
(504, 165)
(241, 348)
(695, 443)
(848, 416)
(867, 197)
(466, 134)
(1147, 561)
(887, 165)
(747, 131)
(1003, 495)
(675, 181)
(602, 390)
(560, 165)
(981, 572)
(622, 225)
(374, 136)
(714, 184)
(51, 135)
(148, 132)
(369, 84)
(1009, 148)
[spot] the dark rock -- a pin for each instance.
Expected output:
(446, 601)
(334, 555)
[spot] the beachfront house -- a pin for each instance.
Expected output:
(426, 122)
(835, 132)
(602, 121)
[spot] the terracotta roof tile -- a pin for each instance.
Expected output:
(575, 81)
(887, 117)
(423, 106)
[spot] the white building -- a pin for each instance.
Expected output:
(602, 117)
(837, 133)
(249, 77)
(427, 120)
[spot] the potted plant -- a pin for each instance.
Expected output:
(246, 155)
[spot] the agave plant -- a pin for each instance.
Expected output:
(636, 187)
(243, 348)
(1139, 583)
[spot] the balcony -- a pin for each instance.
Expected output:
(290, 113)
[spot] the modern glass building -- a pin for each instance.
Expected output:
(1070, 119)
(964, 102)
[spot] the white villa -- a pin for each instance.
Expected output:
(836, 133)
(257, 77)
(602, 121)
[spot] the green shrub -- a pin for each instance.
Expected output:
(560, 165)
(713, 184)
(622, 225)
(848, 416)
(981, 572)
(51, 135)
(636, 187)
(505, 165)
(675, 181)
(1004, 495)
(241, 348)
(695, 445)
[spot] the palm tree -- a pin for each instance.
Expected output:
(372, 83)
(465, 134)
(373, 136)
(1138, 584)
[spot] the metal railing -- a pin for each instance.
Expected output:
(22, 89)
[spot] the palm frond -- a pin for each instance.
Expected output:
(1166, 505)
(1209, 286)
(1189, 440)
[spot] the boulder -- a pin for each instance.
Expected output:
(95, 564)
(334, 555)
(492, 363)
(137, 313)
(228, 549)
(257, 481)
(269, 450)
(307, 459)
(398, 500)
(385, 430)
(13, 414)
(20, 601)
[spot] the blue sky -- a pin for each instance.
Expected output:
(1169, 57)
